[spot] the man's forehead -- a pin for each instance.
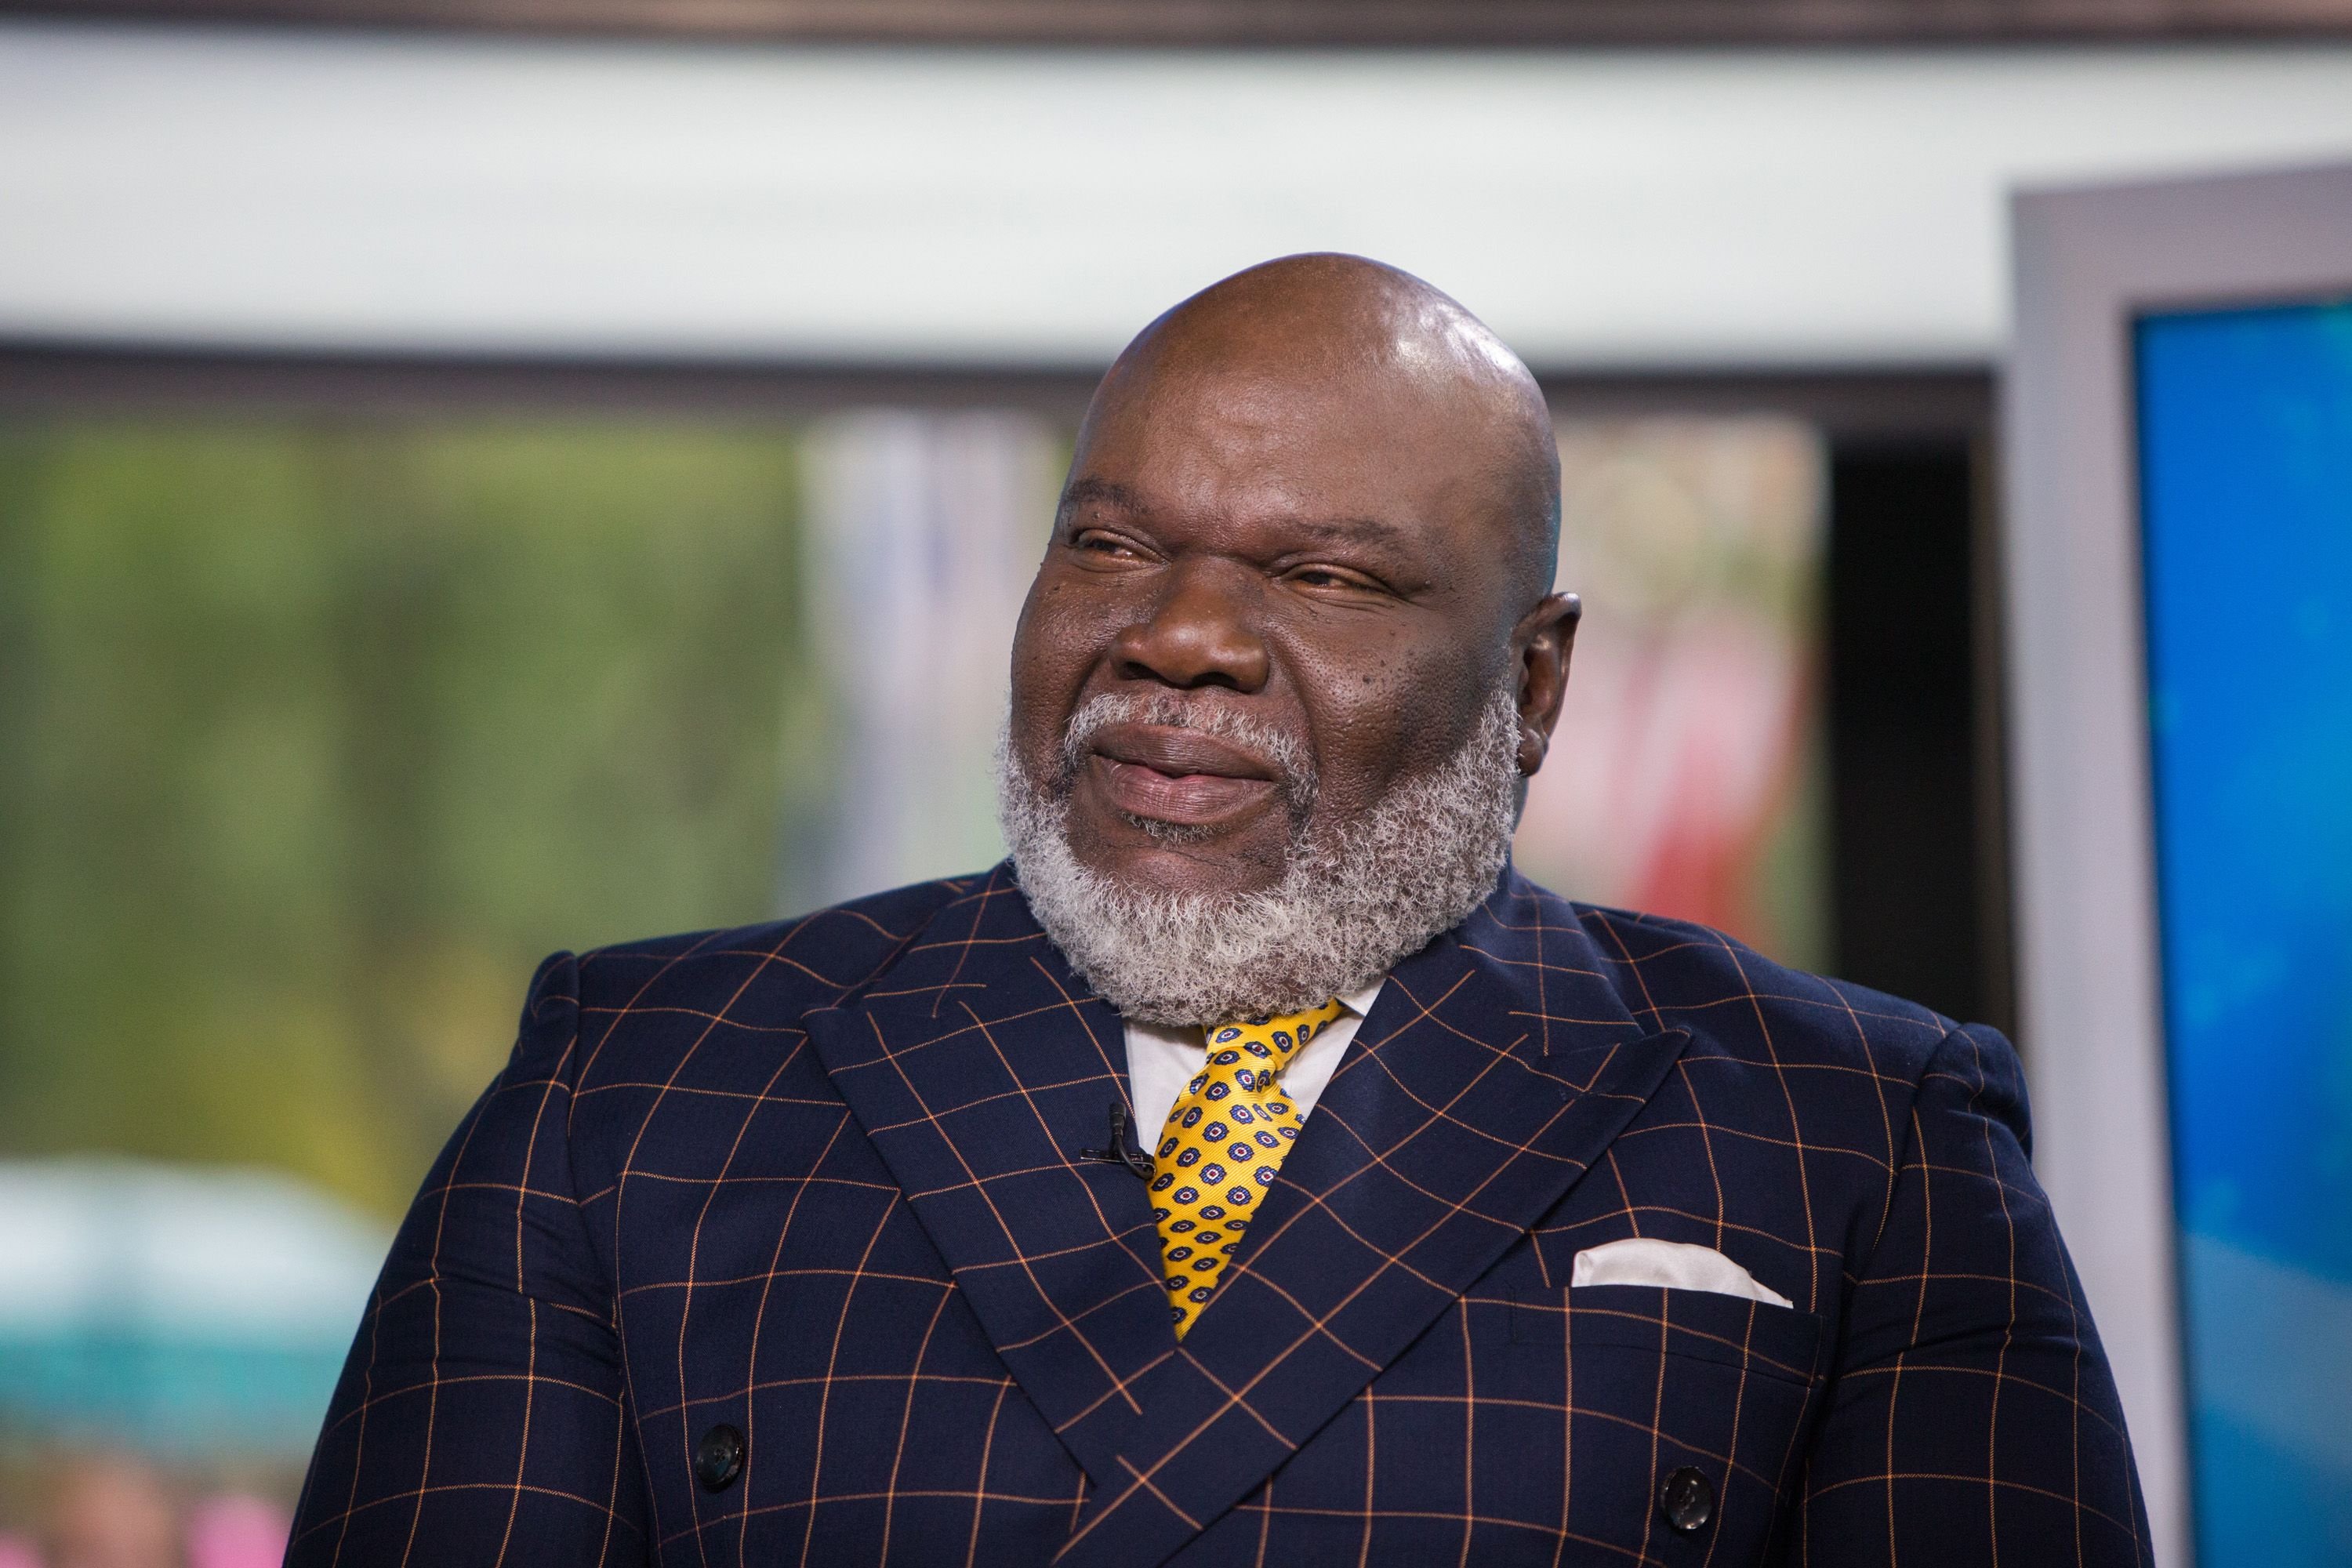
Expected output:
(1244, 425)
(1346, 377)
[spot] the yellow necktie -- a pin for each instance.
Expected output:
(1224, 1139)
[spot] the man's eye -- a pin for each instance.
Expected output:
(1326, 577)
(1102, 543)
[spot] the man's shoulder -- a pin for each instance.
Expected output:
(773, 970)
(1679, 975)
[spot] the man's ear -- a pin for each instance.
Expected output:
(1542, 642)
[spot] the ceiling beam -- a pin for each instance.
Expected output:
(1280, 23)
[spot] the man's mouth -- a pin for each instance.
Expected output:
(1183, 777)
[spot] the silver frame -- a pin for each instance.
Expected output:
(2089, 260)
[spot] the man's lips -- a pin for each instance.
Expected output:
(1174, 776)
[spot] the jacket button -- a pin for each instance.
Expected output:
(1688, 1499)
(719, 1457)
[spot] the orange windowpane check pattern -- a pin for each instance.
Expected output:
(809, 1199)
(1225, 1138)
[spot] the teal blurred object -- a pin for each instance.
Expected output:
(185, 1311)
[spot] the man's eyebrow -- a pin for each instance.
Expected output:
(1349, 529)
(1374, 530)
(1108, 491)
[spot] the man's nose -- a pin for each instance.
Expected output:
(1198, 634)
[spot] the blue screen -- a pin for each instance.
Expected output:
(2245, 421)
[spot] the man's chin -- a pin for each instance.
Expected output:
(1180, 859)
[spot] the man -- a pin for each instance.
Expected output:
(1255, 1168)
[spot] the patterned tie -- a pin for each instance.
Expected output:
(1224, 1139)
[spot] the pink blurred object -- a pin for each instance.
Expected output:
(16, 1552)
(234, 1531)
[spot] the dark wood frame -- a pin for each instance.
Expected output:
(1261, 23)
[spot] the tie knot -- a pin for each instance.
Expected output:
(1256, 1046)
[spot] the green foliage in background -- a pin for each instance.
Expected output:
(315, 737)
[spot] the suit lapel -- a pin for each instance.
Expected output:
(979, 1066)
(1494, 1070)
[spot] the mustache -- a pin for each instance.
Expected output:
(1294, 768)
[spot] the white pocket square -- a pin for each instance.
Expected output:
(1675, 1265)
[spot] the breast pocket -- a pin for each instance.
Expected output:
(1657, 1383)
(1754, 1336)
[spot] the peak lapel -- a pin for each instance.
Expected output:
(1494, 1070)
(979, 1066)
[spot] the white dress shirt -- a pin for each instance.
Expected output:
(1161, 1061)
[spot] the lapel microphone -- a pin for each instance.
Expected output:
(1118, 1152)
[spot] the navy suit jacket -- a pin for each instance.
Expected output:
(819, 1182)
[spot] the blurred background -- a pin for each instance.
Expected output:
(482, 476)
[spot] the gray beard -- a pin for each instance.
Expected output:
(1354, 897)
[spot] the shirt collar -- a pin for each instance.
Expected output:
(1188, 1037)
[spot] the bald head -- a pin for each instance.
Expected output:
(1399, 353)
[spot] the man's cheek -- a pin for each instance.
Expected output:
(1372, 722)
